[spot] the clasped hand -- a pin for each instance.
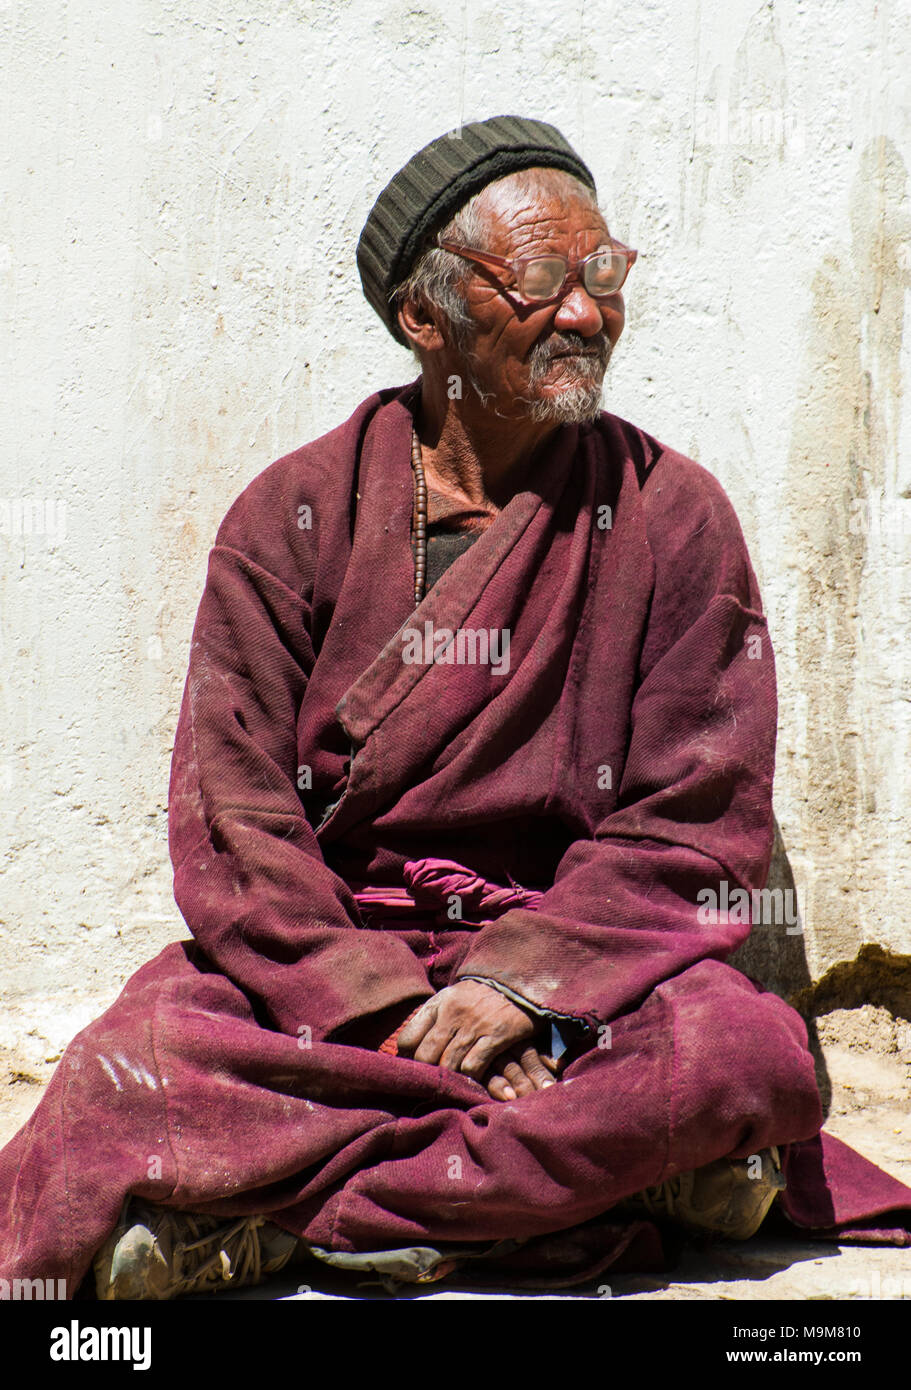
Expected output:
(473, 1029)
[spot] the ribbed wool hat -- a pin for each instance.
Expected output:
(438, 180)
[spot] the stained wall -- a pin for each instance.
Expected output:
(182, 191)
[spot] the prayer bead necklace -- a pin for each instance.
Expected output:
(420, 518)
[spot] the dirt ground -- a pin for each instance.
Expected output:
(867, 1055)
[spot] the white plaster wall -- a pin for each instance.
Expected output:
(182, 191)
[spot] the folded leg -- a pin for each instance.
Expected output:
(178, 1095)
(709, 1065)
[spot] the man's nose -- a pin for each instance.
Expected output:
(580, 312)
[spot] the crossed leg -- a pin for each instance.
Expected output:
(179, 1096)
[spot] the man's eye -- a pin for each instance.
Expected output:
(543, 277)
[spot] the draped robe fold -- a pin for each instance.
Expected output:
(620, 764)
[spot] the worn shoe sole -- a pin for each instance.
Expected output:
(158, 1253)
(722, 1199)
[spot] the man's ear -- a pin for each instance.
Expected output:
(418, 321)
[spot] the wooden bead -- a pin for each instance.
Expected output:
(420, 518)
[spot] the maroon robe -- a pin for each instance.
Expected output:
(620, 765)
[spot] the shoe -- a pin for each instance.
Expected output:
(720, 1199)
(157, 1253)
(416, 1264)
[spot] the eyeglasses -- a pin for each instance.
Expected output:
(542, 279)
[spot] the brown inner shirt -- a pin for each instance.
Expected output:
(452, 527)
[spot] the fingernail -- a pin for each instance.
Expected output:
(545, 1084)
(509, 1093)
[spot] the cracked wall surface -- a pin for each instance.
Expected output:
(183, 187)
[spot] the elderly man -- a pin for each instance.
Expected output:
(480, 706)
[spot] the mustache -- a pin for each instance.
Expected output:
(597, 347)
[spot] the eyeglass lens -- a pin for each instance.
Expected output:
(544, 275)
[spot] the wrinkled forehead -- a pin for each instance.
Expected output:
(535, 204)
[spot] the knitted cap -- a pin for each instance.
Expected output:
(438, 180)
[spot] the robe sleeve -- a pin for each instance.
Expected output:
(694, 806)
(249, 875)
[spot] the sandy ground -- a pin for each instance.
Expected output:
(868, 1059)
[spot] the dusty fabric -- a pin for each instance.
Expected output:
(620, 763)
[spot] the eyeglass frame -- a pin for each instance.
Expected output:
(571, 276)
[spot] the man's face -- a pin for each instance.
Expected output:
(545, 360)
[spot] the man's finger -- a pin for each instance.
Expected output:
(500, 1089)
(456, 1050)
(534, 1068)
(434, 1043)
(515, 1073)
(521, 1075)
(479, 1058)
(416, 1029)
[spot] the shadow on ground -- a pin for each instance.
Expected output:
(759, 1269)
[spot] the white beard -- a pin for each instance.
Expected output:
(576, 404)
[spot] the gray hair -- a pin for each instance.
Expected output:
(438, 277)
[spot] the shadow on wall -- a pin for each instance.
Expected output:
(774, 956)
